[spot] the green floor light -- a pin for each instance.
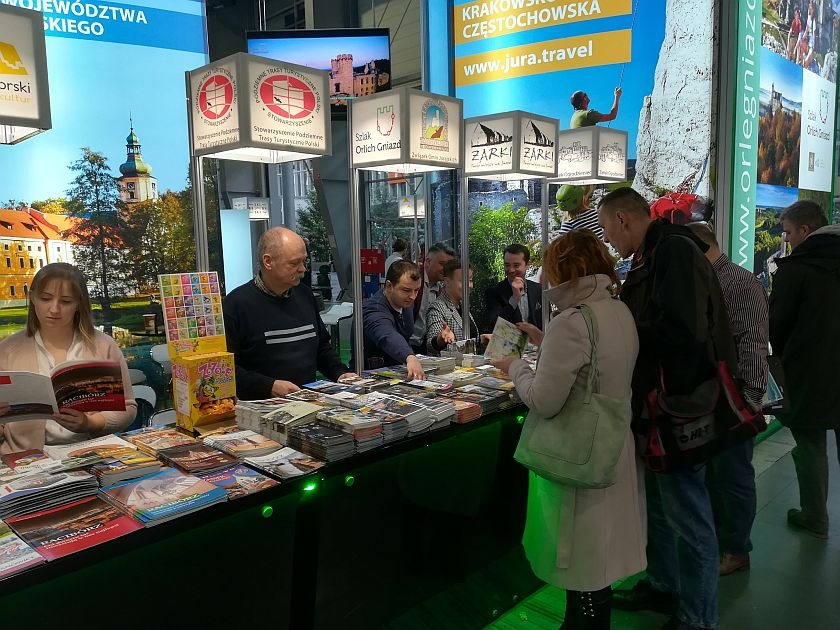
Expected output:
(267, 511)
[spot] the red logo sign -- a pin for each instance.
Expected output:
(215, 96)
(287, 96)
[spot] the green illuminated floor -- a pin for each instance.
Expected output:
(794, 582)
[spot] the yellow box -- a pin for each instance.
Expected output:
(204, 388)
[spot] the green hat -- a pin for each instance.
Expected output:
(569, 198)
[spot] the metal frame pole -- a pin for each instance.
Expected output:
(465, 251)
(202, 252)
(355, 255)
(544, 246)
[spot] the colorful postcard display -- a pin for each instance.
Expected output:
(192, 311)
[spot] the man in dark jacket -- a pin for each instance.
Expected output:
(515, 298)
(676, 300)
(273, 327)
(804, 304)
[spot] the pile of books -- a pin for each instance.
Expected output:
(322, 441)
(487, 399)
(292, 413)
(364, 426)
(417, 417)
(41, 491)
(250, 414)
(238, 480)
(151, 440)
(285, 463)
(458, 378)
(242, 444)
(126, 466)
(494, 382)
(87, 452)
(163, 496)
(436, 365)
(196, 458)
(465, 411)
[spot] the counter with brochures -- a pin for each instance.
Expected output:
(424, 532)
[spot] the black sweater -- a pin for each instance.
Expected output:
(276, 338)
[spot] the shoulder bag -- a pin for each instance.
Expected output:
(580, 445)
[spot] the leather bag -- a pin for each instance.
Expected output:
(581, 444)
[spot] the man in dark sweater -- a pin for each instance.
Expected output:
(273, 327)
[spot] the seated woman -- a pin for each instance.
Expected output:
(59, 328)
(444, 323)
(579, 539)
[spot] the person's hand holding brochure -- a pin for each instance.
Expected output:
(507, 341)
(75, 385)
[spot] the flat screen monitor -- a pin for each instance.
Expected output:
(358, 59)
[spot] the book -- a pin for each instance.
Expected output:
(238, 481)
(196, 458)
(30, 461)
(87, 452)
(41, 491)
(285, 463)
(60, 531)
(123, 467)
(79, 385)
(153, 439)
(507, 341)
(163, 496)
(242, 443)
(15, 555)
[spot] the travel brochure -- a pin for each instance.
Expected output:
(79, 385)
(507, 341)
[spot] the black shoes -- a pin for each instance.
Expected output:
(797, 519)
(644, 597)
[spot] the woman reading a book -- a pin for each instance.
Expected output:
(580, 539)
(58, 329)
(445, 324)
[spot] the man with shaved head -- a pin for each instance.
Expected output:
(273, 327)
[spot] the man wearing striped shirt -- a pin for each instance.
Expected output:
(273, 327)
(731, 477)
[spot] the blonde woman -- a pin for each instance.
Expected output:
(59, 328)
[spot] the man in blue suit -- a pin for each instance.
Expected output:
(388, 320)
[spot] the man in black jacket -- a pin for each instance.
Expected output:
(676, 300)
(804, 304)
(515, 298)
(273, 327)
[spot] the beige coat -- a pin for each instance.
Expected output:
(19, 353)
(579, 539)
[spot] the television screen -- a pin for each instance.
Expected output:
(358, 59)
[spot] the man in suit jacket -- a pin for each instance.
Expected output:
(515, 298)
(389, 319)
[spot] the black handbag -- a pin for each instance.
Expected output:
(687, 430)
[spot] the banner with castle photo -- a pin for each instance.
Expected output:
(796, 116)
(533, 56)
(116, 74)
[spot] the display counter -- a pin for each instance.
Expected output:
(422, 533)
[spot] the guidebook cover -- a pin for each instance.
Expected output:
(507, 341)
(64, 530)
(80, 385)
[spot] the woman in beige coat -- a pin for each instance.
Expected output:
(578, 539)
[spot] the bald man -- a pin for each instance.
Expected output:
(273, 327)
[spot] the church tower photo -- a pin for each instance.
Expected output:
(136, 182)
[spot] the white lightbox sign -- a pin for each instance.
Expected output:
(591, 155)
(513, 145)
(406, 131)
(24, 85)
(260, 110)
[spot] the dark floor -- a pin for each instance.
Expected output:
(794, 582)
